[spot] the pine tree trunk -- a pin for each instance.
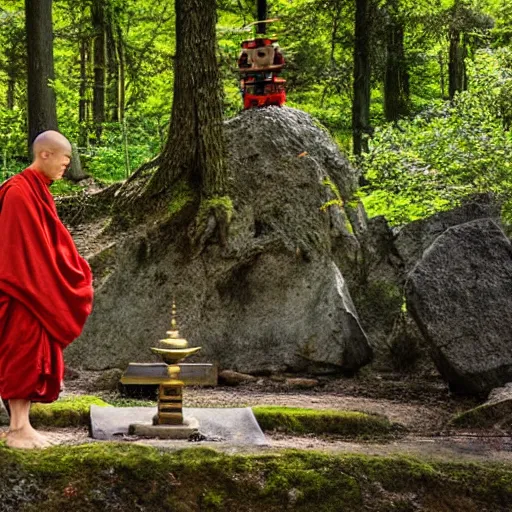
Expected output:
(195, 146)
(112, 68)
(98, 103)
(361, 85)
(82, 103)
(42, 112)
(457, 73)
(75, 171)
(396, 82)
(122, 73)
(455, 64)
(262, 15)
(11, 87)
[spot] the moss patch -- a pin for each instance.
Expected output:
(65, 412)
(320, 421)
(118, 476)
(181, 196)
(220, 207)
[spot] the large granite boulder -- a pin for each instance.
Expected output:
(271, 300)
(460, 294)
(377, 277)
(414, 238)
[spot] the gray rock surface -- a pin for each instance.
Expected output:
(108, 380)
(460, 294)
(273, 299)
(376, 279)
(414, 238)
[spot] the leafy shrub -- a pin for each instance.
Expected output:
(456, 149)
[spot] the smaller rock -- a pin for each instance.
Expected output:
(299, 383)
(277, 378)
(495, 413)
(232, 378)
(108, 380)
(71, 373)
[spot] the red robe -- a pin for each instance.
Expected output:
(45, 290)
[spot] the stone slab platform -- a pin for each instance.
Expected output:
(237, 426)
(192, 374)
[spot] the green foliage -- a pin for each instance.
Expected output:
(425, 164)
(348, 424)
(65, 412)
(107, 161)
(64, 188)
(432, 161)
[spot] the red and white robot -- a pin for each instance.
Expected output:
(259, 64)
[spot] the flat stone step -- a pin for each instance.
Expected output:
(237, 426)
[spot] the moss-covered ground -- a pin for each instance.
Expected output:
(65, 412)
(349, 424)
(74, 412)
(123, 476)
(117, 476)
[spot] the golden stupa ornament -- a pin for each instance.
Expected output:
(172, 350)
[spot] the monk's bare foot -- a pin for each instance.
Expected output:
(26, 438)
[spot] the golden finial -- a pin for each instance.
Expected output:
(173, 316)
(173, 341)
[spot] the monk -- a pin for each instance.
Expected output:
(45, 289)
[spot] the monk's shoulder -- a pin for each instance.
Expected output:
(15, 191)
(15, 195)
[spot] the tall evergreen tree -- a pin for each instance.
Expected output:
(362, 70)
(396, 79)
(99, 52)
(42, 112)
(195, 145)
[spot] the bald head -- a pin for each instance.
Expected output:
(52, 154)
(50, 141)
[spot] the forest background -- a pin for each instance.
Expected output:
(423, 88)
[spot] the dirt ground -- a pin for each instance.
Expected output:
(423, 404)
